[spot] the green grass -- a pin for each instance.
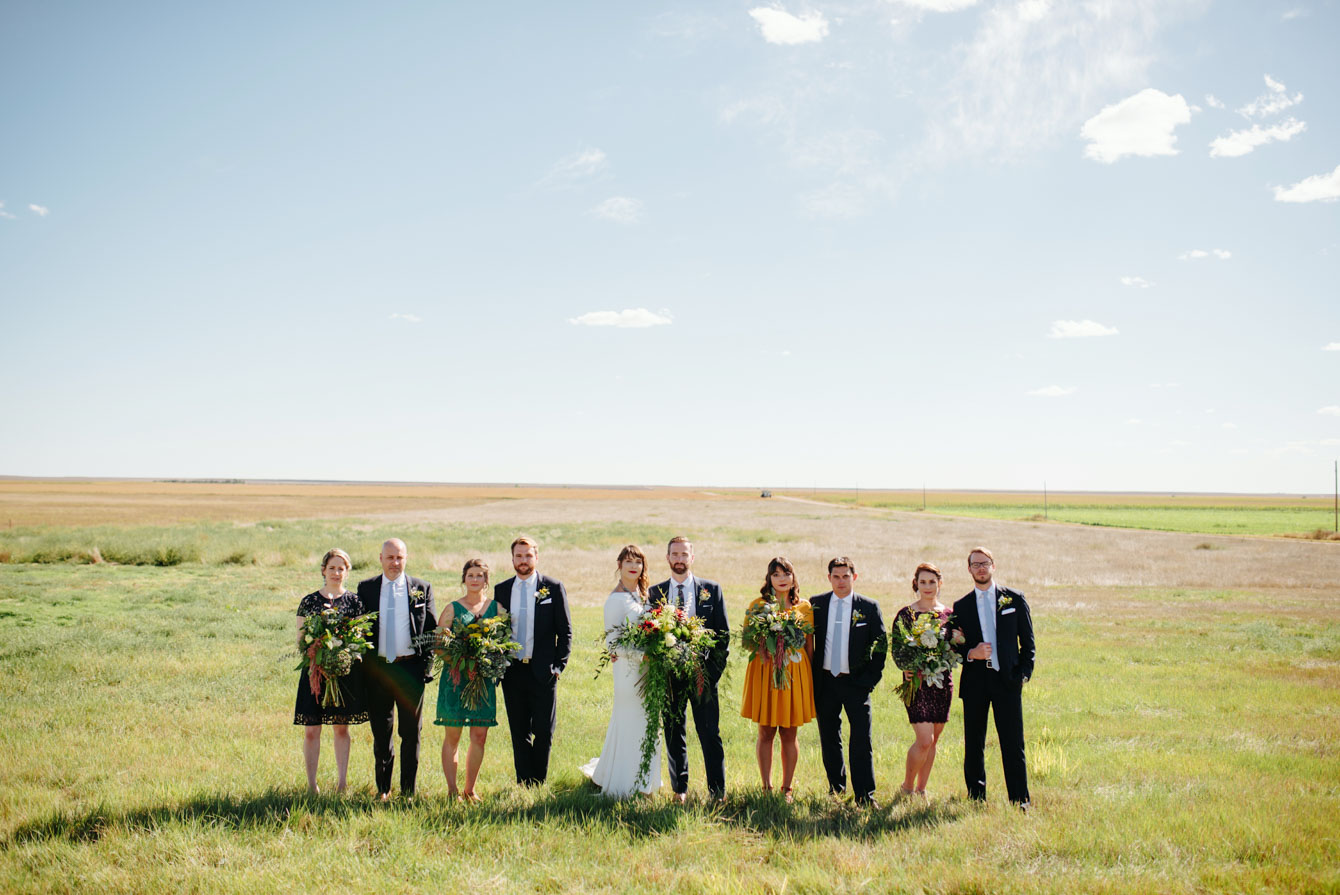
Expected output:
(1176, 744)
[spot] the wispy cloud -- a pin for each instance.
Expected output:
(1079, 329)
(5, 214)
(781, 27)
(1052, 391)
(408, 318)
(39, 210)
(1290, 14)
(1330, 410)
(1137, 282)
(628, 318)
(1275, 100)
(1240, 143)
(619, 209)
(838, 200)
(1317, 188)
(1213, 101)
(1198, 254)
(1140, 125)
(939, 5)
(575, 168)
(1333, 346)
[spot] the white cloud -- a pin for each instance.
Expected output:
(1242, 142)
(1052, 391)
(780, 27)
(1317, 188)
(1137, 282)
(631, 317)
(1138, 125)
(1291, 14)
(1079, 329)
(838, 200)
(1333, 346)
(1197, 254)
(1275, 100)
(1330, 410)
(5, 214)
(39, 210)
(1213, 102)
(939, 5)
(408, 318)
(575, 168)
(619, 209)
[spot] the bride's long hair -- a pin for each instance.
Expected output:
(633, 551)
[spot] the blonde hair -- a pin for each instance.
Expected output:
(475, 563)
(331, 554)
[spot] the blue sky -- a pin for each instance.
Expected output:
(867, 244)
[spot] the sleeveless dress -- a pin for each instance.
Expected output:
(450, 711)
(307, 710)
(931, 704)
(615, 769)
(764, 704)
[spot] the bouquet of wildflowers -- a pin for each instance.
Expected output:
(673, 646)
(331, 643)
(477, 654)
(925, 648)
(779, 635)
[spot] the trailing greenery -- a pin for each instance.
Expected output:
(1178, 742)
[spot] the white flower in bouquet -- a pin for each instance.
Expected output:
(929, 639)
(670, 640)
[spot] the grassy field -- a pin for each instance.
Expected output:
(1182, 726)
(1225, 514)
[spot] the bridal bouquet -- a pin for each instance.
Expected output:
(779, 635)
(925, 648)
(331, 644)
(477, 653)
(673, 646)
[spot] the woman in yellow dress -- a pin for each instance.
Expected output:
(780, 710)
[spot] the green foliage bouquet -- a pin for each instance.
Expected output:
(673, 646)
(331, 643)
(778, 634)
(477, 653)
(926, 649)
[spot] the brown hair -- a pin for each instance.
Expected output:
(331, 554)
(524, 540)
(677, 539)
(925, 567)
(475, 563)
(984, 552)
(838, 562)
(781, 564)
(633, 551)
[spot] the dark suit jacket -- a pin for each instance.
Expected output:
(553, 624)
(712, 610)
(868, 646)
(1014, 633)
(422, 613)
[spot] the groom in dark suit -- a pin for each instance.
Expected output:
(849, 652)
(396, 669)
(542, 624)
(998, 657)
(702, 598)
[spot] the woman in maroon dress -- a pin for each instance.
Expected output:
(929, 711)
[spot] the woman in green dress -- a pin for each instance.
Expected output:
(451, 713)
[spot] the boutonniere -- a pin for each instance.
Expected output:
(857, 616)
(541, 595)
(703, 595)
(1003, 601)
(416, 594)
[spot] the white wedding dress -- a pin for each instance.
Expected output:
(615, 769)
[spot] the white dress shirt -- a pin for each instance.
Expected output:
(690, 588)
(839, 613)
(395, 640)
(986, 614)
(524, 589)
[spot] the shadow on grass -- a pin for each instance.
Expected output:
(579, 806)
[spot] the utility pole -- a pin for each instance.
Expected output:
(1044, 500)
(1337, 495)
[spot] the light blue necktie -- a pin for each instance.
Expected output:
(835, 660)
(522, 611)
(388, 624)
(988, 615)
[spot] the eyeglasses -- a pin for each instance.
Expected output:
(979, 565)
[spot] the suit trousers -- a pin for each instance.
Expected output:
(833, 696)
(532, 714)
(395, 697)
(707, 721)
(983, 689)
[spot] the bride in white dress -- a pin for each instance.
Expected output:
(615, 770)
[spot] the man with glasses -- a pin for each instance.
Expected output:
(998, 657)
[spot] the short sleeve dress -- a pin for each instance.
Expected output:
(308, 711)
(763, 703)
(451, 712)
(931, 704)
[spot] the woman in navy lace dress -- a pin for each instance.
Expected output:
(929, 711)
